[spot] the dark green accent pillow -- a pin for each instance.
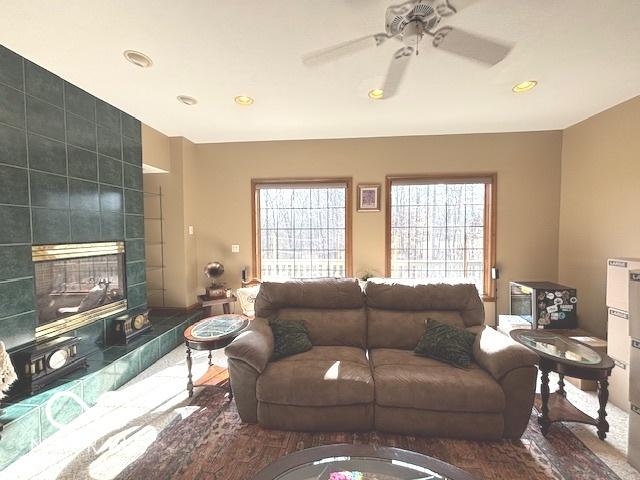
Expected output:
(289, 337)
(447, 344)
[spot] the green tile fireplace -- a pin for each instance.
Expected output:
(70, 172)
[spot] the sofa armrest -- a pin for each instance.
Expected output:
(254, 346)
(499, 354)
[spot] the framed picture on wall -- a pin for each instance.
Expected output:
(369, 197)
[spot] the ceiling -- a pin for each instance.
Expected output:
(584, 53)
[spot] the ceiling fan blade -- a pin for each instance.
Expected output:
(470, 45)
(449, 7)
(334, 52)
(395, 73)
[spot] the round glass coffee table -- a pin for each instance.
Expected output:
(359, 462)
(565, 356)
(211, 334)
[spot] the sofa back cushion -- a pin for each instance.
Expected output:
(339, 327)
(333, 309)
(402, 329)
(397, 313)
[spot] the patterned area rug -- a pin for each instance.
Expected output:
(212, 443)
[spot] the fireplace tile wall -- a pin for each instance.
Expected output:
(70, 171)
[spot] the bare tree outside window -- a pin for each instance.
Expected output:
(438, 231)
(302, 231)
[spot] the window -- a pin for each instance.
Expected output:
(441, 228)
(302, 228)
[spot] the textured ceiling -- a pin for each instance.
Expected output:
(584, 53)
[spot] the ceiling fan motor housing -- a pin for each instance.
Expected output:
(412, 18)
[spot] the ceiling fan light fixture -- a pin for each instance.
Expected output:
(243, 100)
(525, 86)
(187, 100)
(139, 59)
(376, 94)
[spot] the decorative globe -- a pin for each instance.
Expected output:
(213, 270)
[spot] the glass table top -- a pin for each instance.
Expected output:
(556, 345)
(218, 326)
(359, 468)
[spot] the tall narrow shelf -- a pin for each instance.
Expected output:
(154, 248)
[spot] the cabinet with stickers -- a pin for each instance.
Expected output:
(544, 304)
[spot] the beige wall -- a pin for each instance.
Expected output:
(599, 214)
(177, 253)
(566, 200)
(527, 164)
(157, 151)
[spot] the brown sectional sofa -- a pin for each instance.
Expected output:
(362, 374)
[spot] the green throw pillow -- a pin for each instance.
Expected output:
(289, 337)
(447, 344)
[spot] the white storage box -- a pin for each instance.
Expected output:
(619, 386)
(618, 281)
(618, 340)
(634, 303)
(633, 453)
(634, 373)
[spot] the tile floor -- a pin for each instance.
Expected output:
(102, 441)
(106, 438)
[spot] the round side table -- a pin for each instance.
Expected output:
(210, 334)
(564, 356)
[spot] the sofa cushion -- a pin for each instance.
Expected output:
(331, 327)
(462, 298)
(289, 337)
(447, 344)
(403, 329)
(403, 379)
(325, 293)
(322, 376)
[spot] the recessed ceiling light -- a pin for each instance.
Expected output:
(243, 100)
(138, 58)
(187, 100)
(524, 86)
(376, 94)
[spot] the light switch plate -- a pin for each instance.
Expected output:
(190, 229)
(235, 248)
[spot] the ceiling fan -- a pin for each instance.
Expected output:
(409, 22)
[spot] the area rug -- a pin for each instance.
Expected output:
(213, 443)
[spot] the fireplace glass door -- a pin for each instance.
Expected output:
(71, 286)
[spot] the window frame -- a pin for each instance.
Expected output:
(256, 241)
(490, 214)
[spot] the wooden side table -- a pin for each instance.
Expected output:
(507, 323)
(211, 334)
(565, 356)
(206, 303)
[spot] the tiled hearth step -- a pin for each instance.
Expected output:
(25, 421)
